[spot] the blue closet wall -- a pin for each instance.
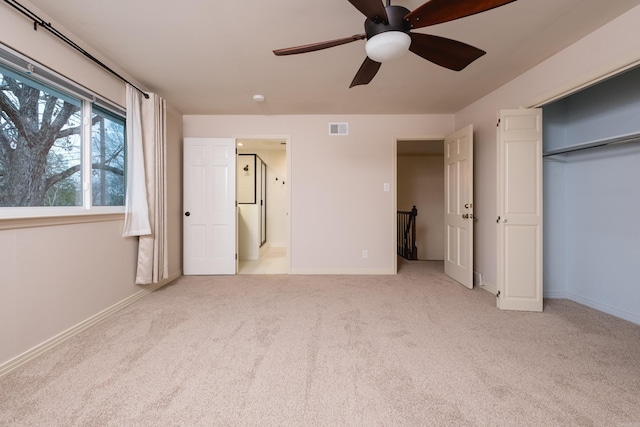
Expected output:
(592, 198)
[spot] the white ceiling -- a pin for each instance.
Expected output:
(211, 57)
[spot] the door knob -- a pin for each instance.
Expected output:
(187, 213)
(465, 216)
(467, 205)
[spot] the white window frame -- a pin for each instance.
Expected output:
(10, 217)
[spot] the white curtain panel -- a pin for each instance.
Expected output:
(136, 221)
(153, 263)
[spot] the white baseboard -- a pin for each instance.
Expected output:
(551, 295)
(36, 351)
(556, 295)
(606, 308)
(478, 281)
(489, 288)
(346, 271)
(596, 305)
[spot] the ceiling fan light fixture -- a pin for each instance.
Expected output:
(388, 45)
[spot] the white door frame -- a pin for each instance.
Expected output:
(288, 181)
(394, 186)
(432, 137)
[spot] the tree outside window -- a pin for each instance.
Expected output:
(107, 159)
(41, 147)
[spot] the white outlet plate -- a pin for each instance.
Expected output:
(386, 186)
(365, 254)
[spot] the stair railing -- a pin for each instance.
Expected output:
(407, 234)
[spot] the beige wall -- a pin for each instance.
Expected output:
(55, 277)
(421, 183)
(338, 206)
(610, 48)
(174, 190)
(52, 278)
(17, 32)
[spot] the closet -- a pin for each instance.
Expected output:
(592, 196)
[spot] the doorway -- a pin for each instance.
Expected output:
(262, 206)
(457, 186)
(420, 183)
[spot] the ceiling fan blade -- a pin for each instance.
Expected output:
(372, 9)
(447, 53)
(318, 46)
(438, 11)
(366, 73)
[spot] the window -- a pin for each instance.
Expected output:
(48, 156)
(107, 158)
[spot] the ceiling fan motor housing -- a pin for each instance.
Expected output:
(395, 15)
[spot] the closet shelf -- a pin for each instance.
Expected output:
(634, 137)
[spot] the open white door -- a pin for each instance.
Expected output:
(520, 210)
(458, 206)
(209, 198)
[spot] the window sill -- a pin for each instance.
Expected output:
(47, 221)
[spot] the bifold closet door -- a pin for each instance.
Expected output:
(519, 218)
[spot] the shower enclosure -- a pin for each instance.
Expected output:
(252, 205)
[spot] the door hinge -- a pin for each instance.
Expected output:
(498, 294)
(498, 124)
(236, 256)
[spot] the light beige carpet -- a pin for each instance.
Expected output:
(408, 350)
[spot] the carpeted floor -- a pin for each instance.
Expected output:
(408, 350)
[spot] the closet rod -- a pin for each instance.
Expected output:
(596, 144)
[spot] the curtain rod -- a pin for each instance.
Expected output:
(37, 21)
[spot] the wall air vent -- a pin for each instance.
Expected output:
(338, 128)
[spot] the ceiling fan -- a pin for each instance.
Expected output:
(388, 33)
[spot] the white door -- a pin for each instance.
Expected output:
(458, 206)
(520, 210)
(209, 201)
